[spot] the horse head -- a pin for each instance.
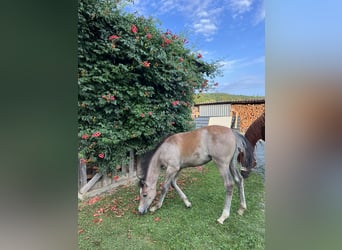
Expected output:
(247, 163)
(147, 195)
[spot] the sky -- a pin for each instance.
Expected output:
(230, 32)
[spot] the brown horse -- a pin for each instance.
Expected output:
(256, 130)
(189, 149)
(254, 133)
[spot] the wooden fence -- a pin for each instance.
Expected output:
(101, 183)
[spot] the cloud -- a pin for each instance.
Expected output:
(244, 85)
(238, 79)
(231, 65)
(168, 5)
(260, 13)
(206, 20)
(203, 16)
(253, 61)
(205, 27)
(182, 6)
(239, 7)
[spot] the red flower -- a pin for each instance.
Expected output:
(112, 97)
(168, 41)
(98, 220)
(199, 55)
(134, 29)
(142, 115)
(93, 200)
(96, 134)
(101, 155)
(180, 59)
(146, 64)
(116, 178)
(85, 136)
(205, 83)
(150, 113)
(175, 103)
(149, 36)
(113, 37)
(100, 211)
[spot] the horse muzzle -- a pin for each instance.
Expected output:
(142, 210)
(245, 173)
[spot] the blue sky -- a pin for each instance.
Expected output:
(229, 31)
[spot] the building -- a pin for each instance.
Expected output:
(234, 114)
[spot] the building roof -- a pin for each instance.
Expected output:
(248, 101)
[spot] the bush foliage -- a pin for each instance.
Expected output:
(136, 83)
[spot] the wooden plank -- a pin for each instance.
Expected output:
(82, 174)
(221, 120)
(123, 169)
(91, 183)
(131, 163)
(122, 181)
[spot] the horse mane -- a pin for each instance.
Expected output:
(245, 153)
(256, 130)
(145, 160)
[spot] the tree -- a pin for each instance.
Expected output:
(136, 83)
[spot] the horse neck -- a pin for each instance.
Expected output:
(153, 170)
(253, 135)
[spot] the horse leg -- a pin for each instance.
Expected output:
(229, 186)
(170, 174)
(238, 179)
(180, 192)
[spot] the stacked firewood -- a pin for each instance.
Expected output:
(248, 113)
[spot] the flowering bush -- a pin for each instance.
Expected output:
(136, 83)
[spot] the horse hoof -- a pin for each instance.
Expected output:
(153, 209)
(240, 211)
(220, 221)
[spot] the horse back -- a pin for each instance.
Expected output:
(199, 146)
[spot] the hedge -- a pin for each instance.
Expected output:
(136, 83)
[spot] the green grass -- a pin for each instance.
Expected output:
(174, 226)
(220, 97)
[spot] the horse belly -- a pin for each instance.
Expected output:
(195, 160)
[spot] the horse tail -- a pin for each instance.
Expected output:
(244, 154)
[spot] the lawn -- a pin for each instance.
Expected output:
(111, 221)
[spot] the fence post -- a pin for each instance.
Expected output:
(82, 174)
(131, 163)
(123, 169)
